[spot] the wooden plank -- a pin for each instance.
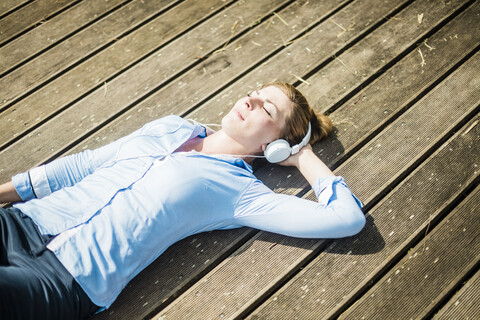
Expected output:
(73, 85)
(399, 217)
(168, 276)
(334, 36)
(72, 51)
(7, 6)
(108, 100)
(373, 106)
(280, 261)
(56, 29)
(307, 53)
(417, 282)
(416, 132)
(465, 304)
(215, 107)
(29, 16)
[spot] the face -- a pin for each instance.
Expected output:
(258, 118)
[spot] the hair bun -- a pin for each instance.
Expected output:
(321, 127)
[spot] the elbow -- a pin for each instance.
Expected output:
(356, 223)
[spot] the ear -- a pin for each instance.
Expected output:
(264, 147)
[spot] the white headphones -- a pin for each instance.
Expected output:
(280, 149)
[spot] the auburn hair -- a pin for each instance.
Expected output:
(296, 124)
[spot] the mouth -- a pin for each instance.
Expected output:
(240, 115)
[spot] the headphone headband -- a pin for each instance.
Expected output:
(304, 141)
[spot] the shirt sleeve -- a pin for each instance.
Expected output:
(337, 213)
(41, 181)
(67, 171)
(63, 172)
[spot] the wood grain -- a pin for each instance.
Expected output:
(72, 51)
(272, 268)
(10, 5)
(95, 72)
(465, 304)
(48, 34)
(342, 271)
(417, 282)
(28, 16)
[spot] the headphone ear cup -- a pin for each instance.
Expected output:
(277, 151)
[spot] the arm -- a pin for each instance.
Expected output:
(63, 172)
(336, 214)
(8, 193)
(67, 171)
(309, 165)
(45, 179)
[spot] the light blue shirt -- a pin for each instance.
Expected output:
(115, 209)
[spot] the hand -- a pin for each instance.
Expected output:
(293, 160)
(309, 165)
(8, 193)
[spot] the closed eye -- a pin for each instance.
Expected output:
(267, 111)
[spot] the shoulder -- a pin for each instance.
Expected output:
(166, 124)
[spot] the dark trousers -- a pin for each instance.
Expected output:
(33, 282)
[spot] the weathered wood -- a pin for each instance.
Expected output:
(108, 100)
(56, 29)
(418, 129)
(272, 269)
(356, 121)
(465, 304)
(415, 284)
(300, 58)
(218, 105)
(166, 62)
(28, 16)
(72, 51)
(169, 276)
(348, 265)
(379, 47)
(372, 107)
(10, 5)
(335, 33)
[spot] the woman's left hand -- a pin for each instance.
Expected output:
(293, 160)
(308, 164)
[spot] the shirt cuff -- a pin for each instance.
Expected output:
(325, 189)
(22, 185)
(39, 181)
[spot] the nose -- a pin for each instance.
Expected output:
(254, 102)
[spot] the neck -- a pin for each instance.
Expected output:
(221, 143)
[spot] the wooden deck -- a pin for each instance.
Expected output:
(399, 79)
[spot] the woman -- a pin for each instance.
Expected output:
(90, 222)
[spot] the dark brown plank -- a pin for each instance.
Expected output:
(66, 54)
(28, 16)
(416, 283)
(50, 33)
(465, 304)
(279, 260)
